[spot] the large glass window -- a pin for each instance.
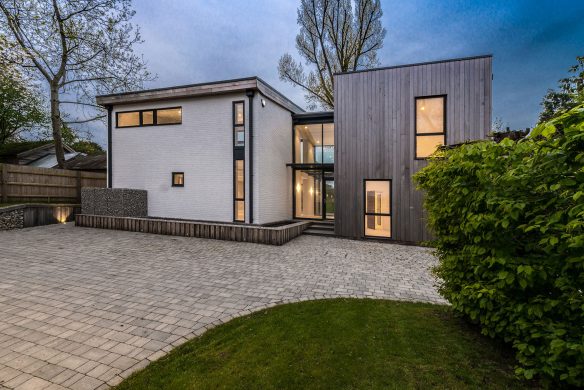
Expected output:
(308, 194)
(314, 144)
(378, 208)
(161, 116)
(239, 193)
(430, 125)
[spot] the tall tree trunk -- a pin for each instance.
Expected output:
(57, 125)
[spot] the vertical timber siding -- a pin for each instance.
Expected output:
(374, 134)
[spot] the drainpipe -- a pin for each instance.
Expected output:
(109, 146)
(250, 93)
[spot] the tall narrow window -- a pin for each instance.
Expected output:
(430, 125)
(377, 208)
(239, 161)
(239, 196)
(238, 124)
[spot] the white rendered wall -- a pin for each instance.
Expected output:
(201, 147)
(272, 151)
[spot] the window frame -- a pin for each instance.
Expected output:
(235, 198)
(172, 179)
(390, 214)
(444, 122)
(235, 125)
(154, 117)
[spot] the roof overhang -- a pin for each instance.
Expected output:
(199, 90)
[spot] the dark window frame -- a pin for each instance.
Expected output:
(238, 155)
(172, 179)
(235, 198)
(237, 125)
(390, 214)
(321, 145)
(445, 126)
(154, 117)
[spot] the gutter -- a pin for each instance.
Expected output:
(109, 146)
(250, 93)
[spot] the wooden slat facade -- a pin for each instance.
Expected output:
(228, 232)
(374, 134)
(22, 183)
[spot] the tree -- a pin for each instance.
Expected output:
(80, 48)
(21, 106)
(570, 93)
(333, 38)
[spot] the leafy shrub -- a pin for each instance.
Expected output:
(509, 222)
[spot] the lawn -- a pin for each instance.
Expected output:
(336, 344)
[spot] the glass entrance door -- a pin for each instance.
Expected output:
(329, 198)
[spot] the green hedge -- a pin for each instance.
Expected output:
(509, 222)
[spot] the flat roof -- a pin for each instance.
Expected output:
(416, 64)
(201, 89)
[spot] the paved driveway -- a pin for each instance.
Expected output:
(83, 308)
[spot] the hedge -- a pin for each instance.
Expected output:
(508, 219)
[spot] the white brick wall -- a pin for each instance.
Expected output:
(202, 148)
(272, 151)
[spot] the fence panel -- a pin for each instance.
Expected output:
(21, 183)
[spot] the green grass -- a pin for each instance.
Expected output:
(336, 344)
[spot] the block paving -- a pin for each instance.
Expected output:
(84, 308)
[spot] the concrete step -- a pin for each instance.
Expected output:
(319, 232)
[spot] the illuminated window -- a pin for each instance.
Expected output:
(178, 179)
(430, 125)
(128, 119)
(239, 192)
(169, 116)
(377, 208)
(161, 116)
(238, 124)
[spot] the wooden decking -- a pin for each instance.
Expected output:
(220, 231)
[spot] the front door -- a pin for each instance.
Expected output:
(329, 198)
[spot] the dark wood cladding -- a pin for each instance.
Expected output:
(374, 134)
(229, 232)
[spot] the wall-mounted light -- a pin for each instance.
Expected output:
(311, 191)
(298, 187)
(263, 103)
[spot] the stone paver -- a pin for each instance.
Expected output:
(83, 308)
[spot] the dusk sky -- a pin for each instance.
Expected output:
(533, 42)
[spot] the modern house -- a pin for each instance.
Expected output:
(239, 151)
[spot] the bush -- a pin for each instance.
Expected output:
(509, 222)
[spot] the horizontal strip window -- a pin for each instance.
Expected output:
(430, 123)
(377, 210)
(153, 117)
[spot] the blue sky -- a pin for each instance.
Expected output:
(533, 42)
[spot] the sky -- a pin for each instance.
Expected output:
(533, 43)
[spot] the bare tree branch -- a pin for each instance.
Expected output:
(333, 38)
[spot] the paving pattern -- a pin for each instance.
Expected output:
(83, 308)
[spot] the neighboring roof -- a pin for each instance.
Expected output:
(203, 89)
(97, 162)
(12, 149)
(27, 157)
(50, 160)
(417, 64)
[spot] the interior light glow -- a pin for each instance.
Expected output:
(311, 191)
(298, 187)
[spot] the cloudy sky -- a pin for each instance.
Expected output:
(533, 42)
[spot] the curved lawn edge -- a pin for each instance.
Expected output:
(325, 304)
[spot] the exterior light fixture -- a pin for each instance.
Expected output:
(263, 103)
(298, 187)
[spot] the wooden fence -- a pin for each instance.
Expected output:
(21, 183)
